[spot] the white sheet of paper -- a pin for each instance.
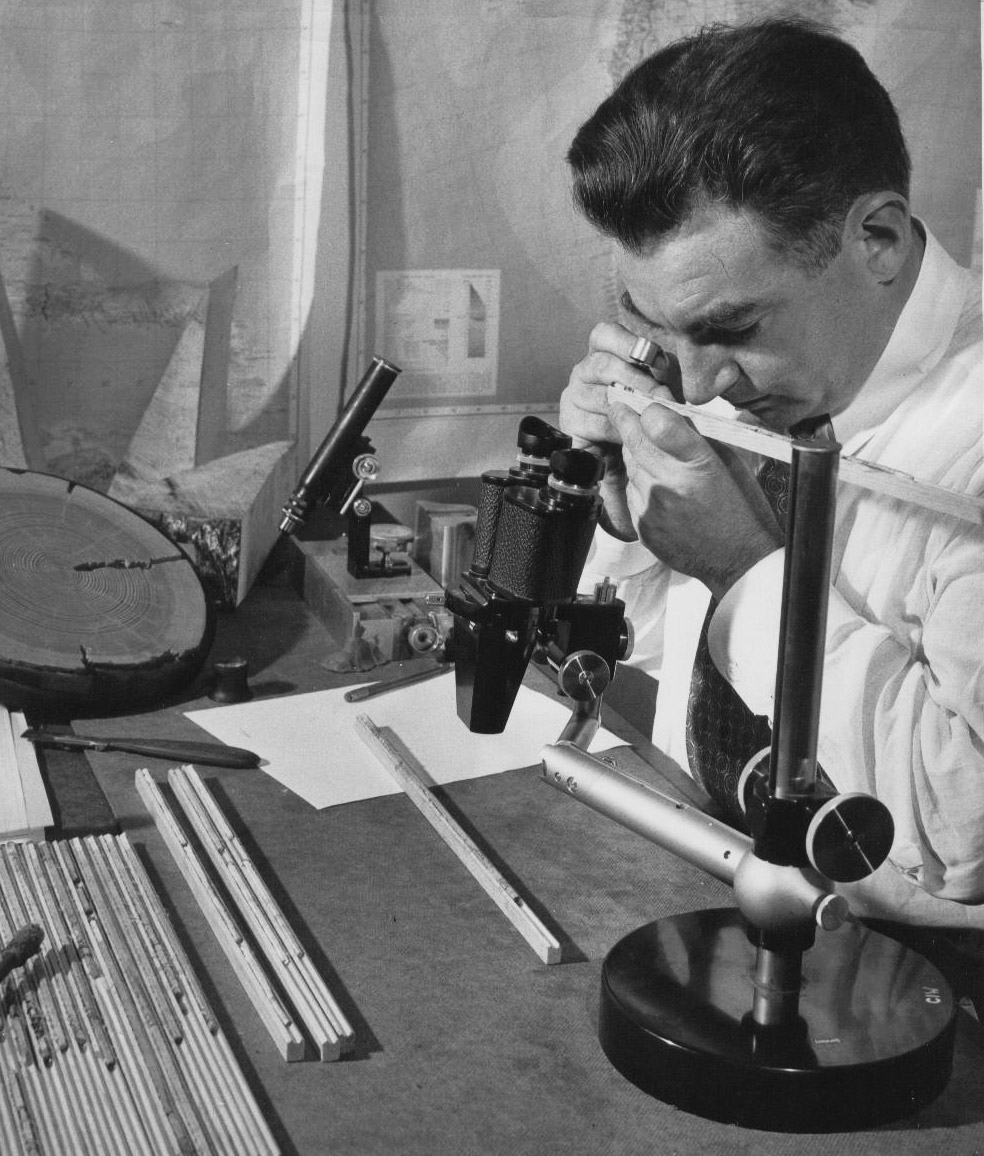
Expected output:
(310, 745)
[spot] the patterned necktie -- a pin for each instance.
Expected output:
(722, 734)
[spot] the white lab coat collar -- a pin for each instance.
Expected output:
(919, 339)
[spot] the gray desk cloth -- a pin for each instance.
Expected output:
(467, 1044)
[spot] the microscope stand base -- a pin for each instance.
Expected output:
(872, 1042)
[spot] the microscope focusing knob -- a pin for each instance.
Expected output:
(584, 676)
(366, 467)
(423, 637)
(849, 837)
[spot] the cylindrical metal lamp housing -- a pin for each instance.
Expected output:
(803, 622)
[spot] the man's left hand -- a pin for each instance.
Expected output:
(697, 507)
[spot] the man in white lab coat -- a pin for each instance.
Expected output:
(756, 184)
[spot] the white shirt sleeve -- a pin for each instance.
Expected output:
(642, 582)
(901, 718)
(743, 637)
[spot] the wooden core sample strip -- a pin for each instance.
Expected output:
(395, 757)
(273, 1013)
(102, 612)
(292, 967)
(853, 471)
(107, 1046)
(25, 811)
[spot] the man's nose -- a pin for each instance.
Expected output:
(705, 373)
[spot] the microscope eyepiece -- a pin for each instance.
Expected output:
(539, 439)
(579, 469)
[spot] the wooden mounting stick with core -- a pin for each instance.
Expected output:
(316, 1009)
(271, 1010)
(400, 763)
(853, 471)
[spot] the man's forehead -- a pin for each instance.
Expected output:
(718, 269)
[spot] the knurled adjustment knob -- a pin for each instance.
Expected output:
(584, 676)
(579, 468)
(849, 837)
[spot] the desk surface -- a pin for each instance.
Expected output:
(466, 1042)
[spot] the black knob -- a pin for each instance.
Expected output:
(230, 681)
(850, 837)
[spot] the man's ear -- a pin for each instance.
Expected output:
(878, 231)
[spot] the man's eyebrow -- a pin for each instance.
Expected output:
(724, 316)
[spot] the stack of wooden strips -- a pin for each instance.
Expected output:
(108, 1045)
(25, 811)
(276, 972)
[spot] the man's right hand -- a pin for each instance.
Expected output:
(586, 416)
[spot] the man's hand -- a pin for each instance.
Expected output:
(587, 417)
(696, 506)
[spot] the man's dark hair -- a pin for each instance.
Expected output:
(779, 117)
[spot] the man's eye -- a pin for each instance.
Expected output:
(730, 336)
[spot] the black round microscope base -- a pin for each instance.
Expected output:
(872, 1041)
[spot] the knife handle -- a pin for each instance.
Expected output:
(211, 754)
